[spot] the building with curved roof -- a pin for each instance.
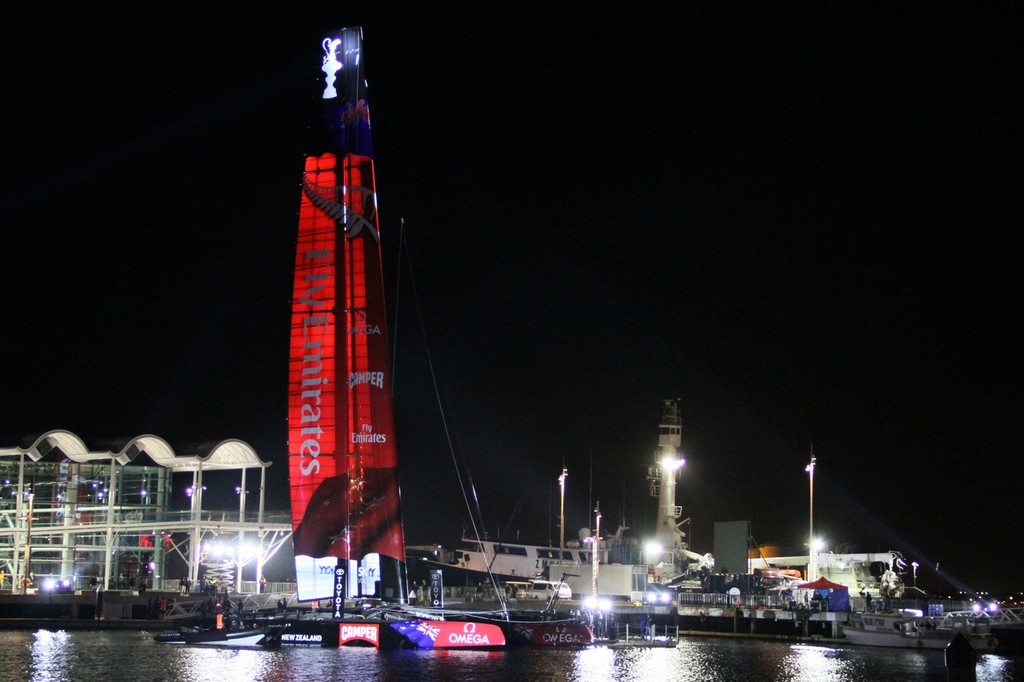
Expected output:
(106, 516)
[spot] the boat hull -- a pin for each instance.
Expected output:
(897, 631)
(394, 634)
(939, 640)
(264, 637)
(550, 634)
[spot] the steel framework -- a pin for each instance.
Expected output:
(91, 518)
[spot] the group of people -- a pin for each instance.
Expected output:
(158, 607)
(207, 586)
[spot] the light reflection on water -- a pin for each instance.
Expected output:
(112, 656)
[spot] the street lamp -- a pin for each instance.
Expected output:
(812, 567)
(913, 566)
(596, 557)
(561, 515)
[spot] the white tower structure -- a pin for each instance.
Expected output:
(669, 541)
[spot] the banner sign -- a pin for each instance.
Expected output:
(436, 589)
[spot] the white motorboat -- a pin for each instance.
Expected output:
(911, 630)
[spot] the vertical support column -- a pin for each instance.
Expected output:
(18, 514)
(67, 559)
(109, 544)
(263, 489)
(28, 544)
(195, 534)
(262, 533)
(240, 553)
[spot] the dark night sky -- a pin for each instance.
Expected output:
(798, 222)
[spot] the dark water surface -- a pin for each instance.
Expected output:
(113, 656)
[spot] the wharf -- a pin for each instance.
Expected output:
(152, 610)
(81, 624)
(120, 609)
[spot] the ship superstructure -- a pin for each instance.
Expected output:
(625, 568)
(666, 552)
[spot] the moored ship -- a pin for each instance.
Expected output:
(913, 630)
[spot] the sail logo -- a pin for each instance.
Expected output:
(315, 332)
(331, 66)
(468, 636)
(360, 327)
(375, 379)
(364, 330)
(325, 198)
(356, 221)
(561, 638)
(366, 436)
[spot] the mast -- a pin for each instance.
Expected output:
(343, 464)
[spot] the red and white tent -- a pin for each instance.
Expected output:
(822, 584)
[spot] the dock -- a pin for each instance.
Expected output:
(655, 636)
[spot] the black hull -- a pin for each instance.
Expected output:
(263, 637)
(533, 628)
(403, 633)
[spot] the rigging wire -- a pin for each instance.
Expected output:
(398, 291)
(403, 246)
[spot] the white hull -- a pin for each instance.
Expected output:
(902, 632)
(939, 640)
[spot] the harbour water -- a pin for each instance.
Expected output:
(111, 656)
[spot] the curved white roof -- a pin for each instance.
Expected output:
(228, 454)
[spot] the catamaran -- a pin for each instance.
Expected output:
(343, 462)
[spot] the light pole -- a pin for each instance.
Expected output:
(561, 515)
(596, 558)
(812, 567)
(914, 565)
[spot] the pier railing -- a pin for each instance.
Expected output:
(650, 633)
(786, 603)
(101, 517)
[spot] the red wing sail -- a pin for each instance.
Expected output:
(341, 427)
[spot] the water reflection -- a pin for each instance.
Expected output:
(817, 663)
(715, 659)
(594, 664)
(229, 665)
(50, 656)
(106, 656)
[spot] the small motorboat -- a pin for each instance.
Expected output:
(911, 630)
